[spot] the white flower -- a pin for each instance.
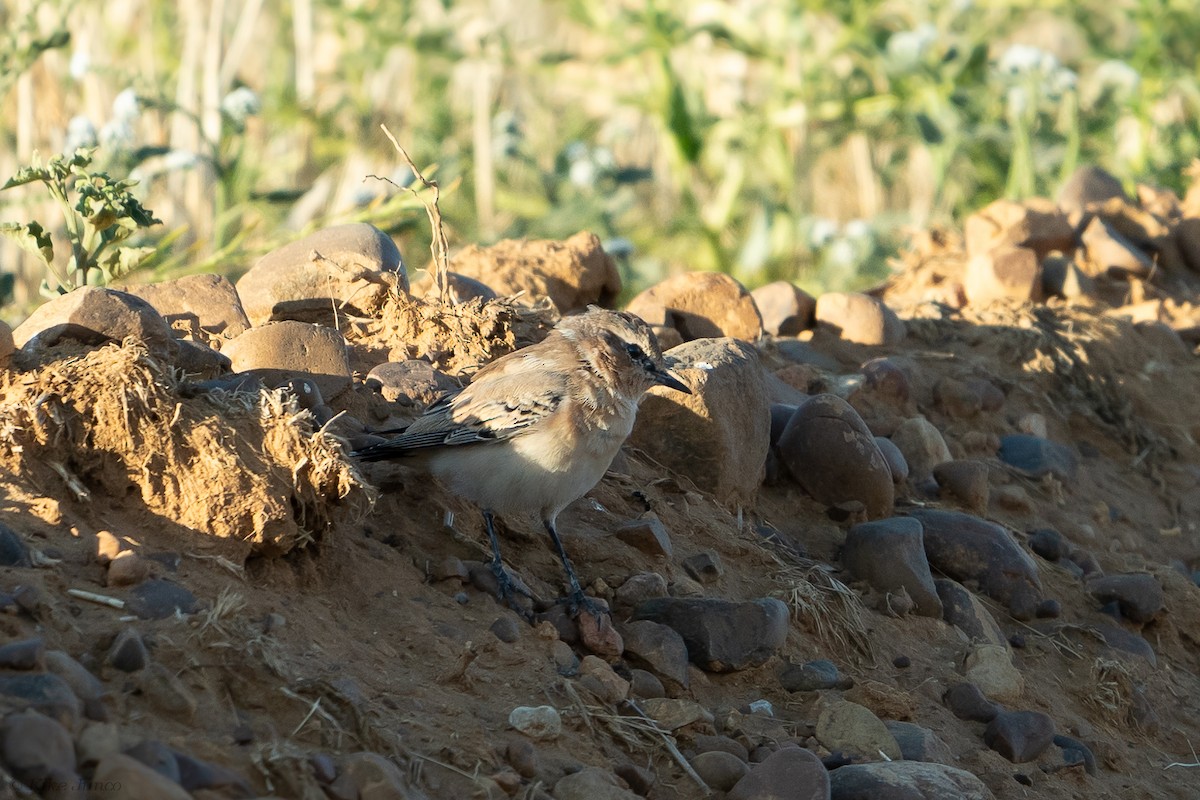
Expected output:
(81, 62)
(179, 160)
(907, 48)
(1022, 59)
(125, 106)
(821, 233)
(80, 133)
(1061, 81)
(842, 253)
(117, 135)
(857, 229)
(582, 173)
(1117, 75)
(241, 103)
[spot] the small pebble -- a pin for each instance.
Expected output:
(1017, 640)
(506, 629)
(128, 652)
(901, 662)
(1049, 609)
(25, 654)
(536, 722)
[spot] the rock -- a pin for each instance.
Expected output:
(965, 701)
(1119, 639)
(96, 741)
(24, 654)
(918, 743)
(166, 691)
(645, 684)
(965, 548)
(889, 554)
(786, 308)
(523, 757)
(1111, 253)
(831, 453)
(906, 780)
(719, 770)
(1088, 185)
(599, 677)
(859, 318)
(706, 743)
(538, 722)
(964, 481)
(159, 599)
(922, 445)
(1186, 233)
(7, 346)
(700, 305)
(95, 316)
(370, 776)
(46, 693)
(128, 652)
(963, 610)
(1019, 736)
(811, 676)
(352, 267)
(83, 684)
(1005, 274)
(640, 587)
(1138, 595)
(573, 273)
(1082, 753)
(722, 636)
(157, 756)
(1062, 277)
(137, 781)
(717, 436)
(414, 384)
(790, 773)
(127, 569)
(1049, 544)
(36, 748)
(956, 398)
(207, 304)
(1038, 457)
(674, 713)
(198, 360)
(1036, 224)
(591, 783)
(896, 462)
(14, 552)
(990, 668)
(704, 567)
(854, 729)
(659, 649)
(648, 534)
(460, 287)
(196, 774)
(280, 351)
(597, 633)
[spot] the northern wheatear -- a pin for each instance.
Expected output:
(538, 428)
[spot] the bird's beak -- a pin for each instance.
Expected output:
(666, 378)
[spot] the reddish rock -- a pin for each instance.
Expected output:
(95, 316)
(1111, 253)
(832, 454)
(786, 308)
(280, 351)
(887, 379)
(700, 305)
(351, 267)
(659, 649)
(205, 304)
(573, 273)
(1005, 274)
(965, 482)
(859, 318)
(922, 445)
(1037, 224)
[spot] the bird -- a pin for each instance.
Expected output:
(536, 429)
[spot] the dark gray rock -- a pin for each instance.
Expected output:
(965, 701)
(43, 692)
(963, 610)
(889, 554)
(13, 550)
(906, 780)
(722, 636)
(159, 599)
(1049, 544)
(659, 649)
(965, 547)
(1087, 185)
(1138, 595)
(1037, 457)
(157, 756)
(1075, 751)
(812, 676)
(196, 774)
(25, 654)
(918, 743)
(790, 773)
(704, 567)
(647, 534)
(1019, 736)
(128, 652)
(720, 770)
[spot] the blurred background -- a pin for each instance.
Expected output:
(763, 138)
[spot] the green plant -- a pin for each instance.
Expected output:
(99, 214)
(22, 42)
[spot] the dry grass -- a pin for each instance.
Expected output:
(824, 606)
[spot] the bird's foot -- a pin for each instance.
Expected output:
(510, 590)
(579, 603)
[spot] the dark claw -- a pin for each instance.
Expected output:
(579, 603)
(508, 590)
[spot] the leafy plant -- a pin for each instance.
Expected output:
(99, 214)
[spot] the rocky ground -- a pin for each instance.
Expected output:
(934, 541)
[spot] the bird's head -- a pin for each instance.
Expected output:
(625, 347)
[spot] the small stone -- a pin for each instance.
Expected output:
(859, 318)
(36, 748)
(722, 636)
(450, 568)
(704, 567)
(23, 654)
(906, 780)
(82, 683)
(674, 713)
(137, 781)
(206, 304)
(1004, 274)
(415, 384)
(922, 445)
(1111, 253)
(1049, 544)
(640, 587)
(108, 546)
(895, 460)
(789, 773)
(786, 309)
(14, 552)
(1038, 457)
(46, 693)
(612, 688)
(1019, 736)
(660, 649)
(990, 668)
(1138, 595)
(96, 741)
(196, 774)
(1075, 751)
(889, 554)
(128, 652)
(918, 743)
(166, 691)
(157, 756)
(127, 569)
(1049, 609)
(647, 534)
(281, 351)
(522, 755)
(963, 610)
(1037, 224)
(645, 684)
(719, 770)
(159, 599)
(965, 701)
(370, 775)
(598, 634)
(851, 728)
(591, 783)
(1088, 185)
(707, 743)
(700, 305)
(901, 662)
(538, 722)
(506, 629)
(812, 676)
(964, 481)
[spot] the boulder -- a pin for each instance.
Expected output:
(722, 635)
(199, 304)
(860, 318)
(94, 316)
(786, 308)
(906, 780)
(889, 554)
(699, 305)
(1037, 224)
(280, 351)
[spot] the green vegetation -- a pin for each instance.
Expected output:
(763, 138)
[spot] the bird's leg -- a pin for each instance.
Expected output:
(576, 600)
(505, 586)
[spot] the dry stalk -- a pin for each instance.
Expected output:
(438, 245)
(825, 605)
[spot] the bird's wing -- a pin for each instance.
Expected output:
(496, 406)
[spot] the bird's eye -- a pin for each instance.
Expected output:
(635, 352)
